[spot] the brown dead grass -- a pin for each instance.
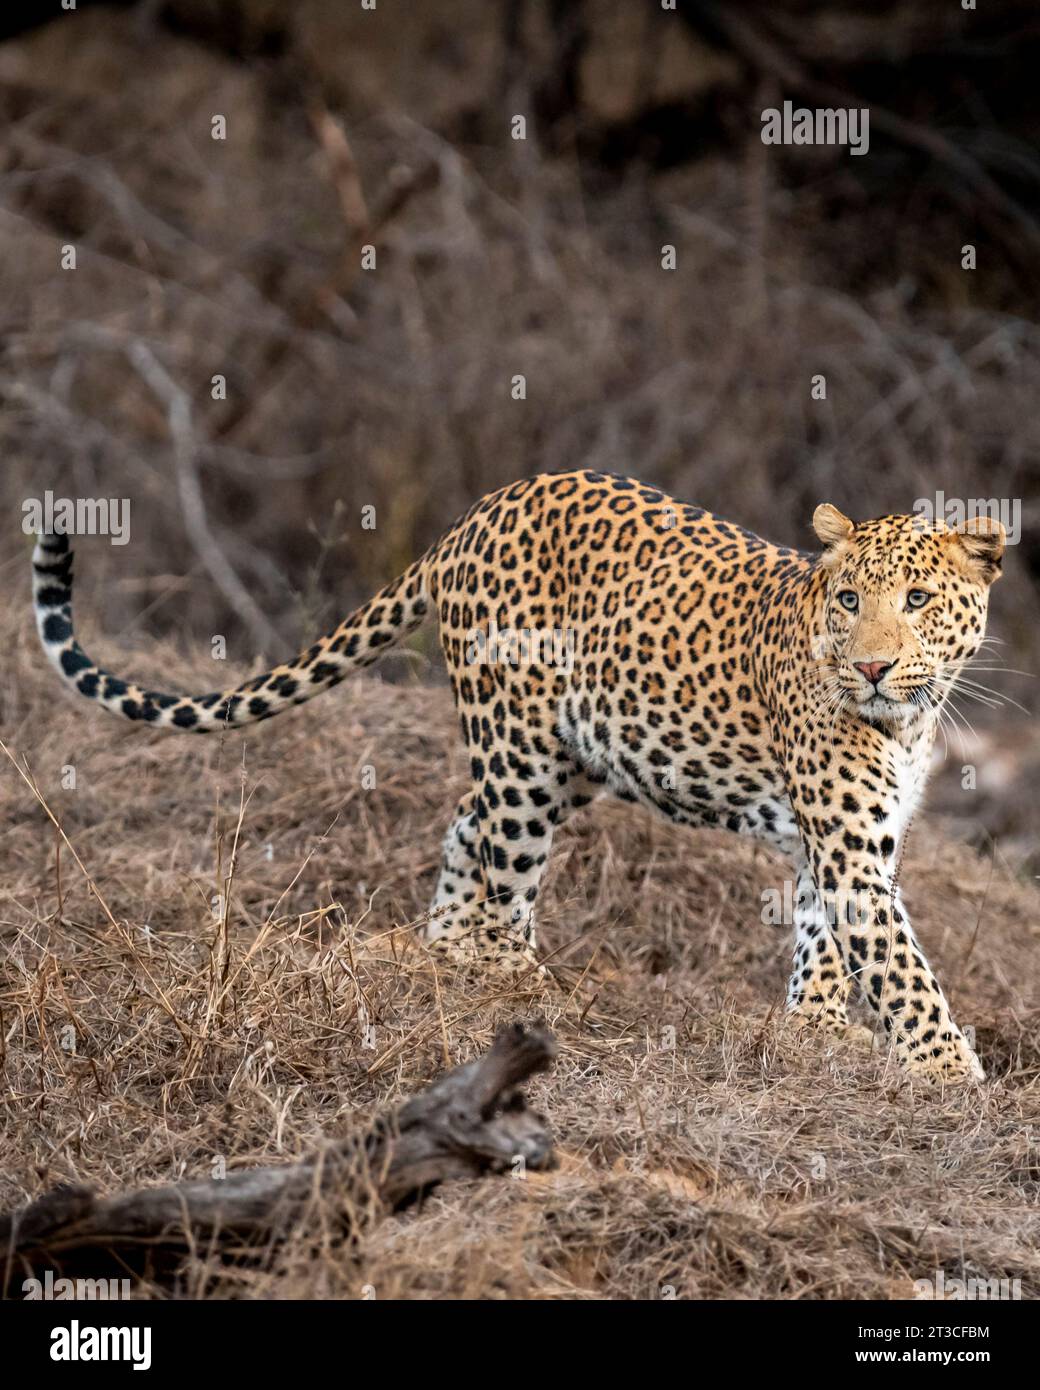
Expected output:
(744, 1162)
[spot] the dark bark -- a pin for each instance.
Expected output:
(470, 1121)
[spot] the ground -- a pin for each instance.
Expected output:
(706, 1149)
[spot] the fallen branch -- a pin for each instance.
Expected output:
(470, 1121)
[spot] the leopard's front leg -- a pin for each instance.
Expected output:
(819, 988)
(883, 953)
(852, 795)
(880, 952)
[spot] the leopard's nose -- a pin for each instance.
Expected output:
(873, 670)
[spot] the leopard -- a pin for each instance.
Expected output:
(604, 638)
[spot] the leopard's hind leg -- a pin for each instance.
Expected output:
(494, 856)
(460, 881)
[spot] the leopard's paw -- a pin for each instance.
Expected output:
(502, 962)
(834, 1023)
(948, 1060)
(859, 1035)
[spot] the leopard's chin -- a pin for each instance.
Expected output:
(886, 709)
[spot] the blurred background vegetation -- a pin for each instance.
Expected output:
(390, 387)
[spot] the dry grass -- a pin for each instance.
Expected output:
(743, 1162)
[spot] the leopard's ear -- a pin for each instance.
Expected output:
(830, 525)
(979, 543)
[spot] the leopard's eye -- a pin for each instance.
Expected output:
(917, 598)
(849, 600)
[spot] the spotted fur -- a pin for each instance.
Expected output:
(716, 678)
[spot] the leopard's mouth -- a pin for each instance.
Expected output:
(895, 707)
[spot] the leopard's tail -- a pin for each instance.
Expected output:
(358, 641)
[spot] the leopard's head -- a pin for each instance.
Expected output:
(904, 608)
